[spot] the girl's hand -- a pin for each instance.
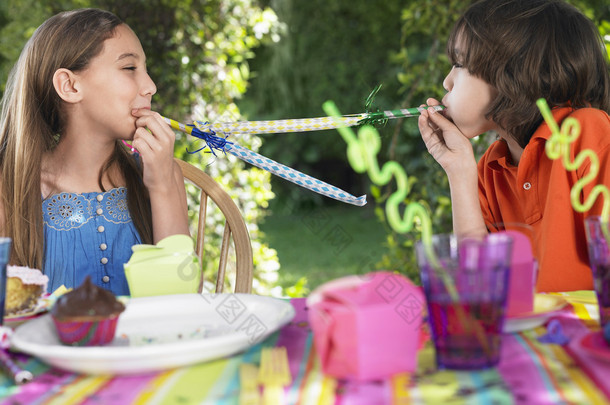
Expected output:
(154, 139)
(445, 142)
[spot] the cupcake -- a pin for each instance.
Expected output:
(24, 286)
(86, 316)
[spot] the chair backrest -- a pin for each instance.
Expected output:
(234, 226)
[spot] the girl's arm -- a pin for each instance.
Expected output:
(162, 176)
(453, 151)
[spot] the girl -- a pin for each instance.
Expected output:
(79, 88)
(507, 54)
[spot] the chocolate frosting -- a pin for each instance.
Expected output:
(88, 300)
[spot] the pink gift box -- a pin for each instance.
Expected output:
(522, 279)
(367, 327)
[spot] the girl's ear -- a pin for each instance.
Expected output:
(66, 85)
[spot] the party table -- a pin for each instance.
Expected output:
(530, 372)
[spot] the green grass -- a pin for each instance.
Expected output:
(325, 243)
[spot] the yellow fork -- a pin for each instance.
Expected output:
(248, 381)
(274, 374)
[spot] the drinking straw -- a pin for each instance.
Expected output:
(362, 153)
(558, 146)
(17, 374)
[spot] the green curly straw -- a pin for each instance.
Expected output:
(558, 146)
(362, 155)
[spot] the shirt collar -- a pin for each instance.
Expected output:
(498, 156)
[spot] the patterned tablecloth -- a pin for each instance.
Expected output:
(530, 372)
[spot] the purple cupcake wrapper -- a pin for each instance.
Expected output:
(86, 333)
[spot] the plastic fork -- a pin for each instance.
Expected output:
(274, 374)
(248, 381)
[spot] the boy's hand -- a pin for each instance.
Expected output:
(445, 142)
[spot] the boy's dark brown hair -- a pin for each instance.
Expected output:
(531, 49)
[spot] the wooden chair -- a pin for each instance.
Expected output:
(234, 226)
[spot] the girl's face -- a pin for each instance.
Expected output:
(468, 98)
(114, 84)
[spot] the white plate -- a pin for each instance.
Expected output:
(156, 333)
(544, 307)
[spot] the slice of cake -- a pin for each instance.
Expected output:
(24, 286)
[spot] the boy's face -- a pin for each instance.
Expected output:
(467, 100)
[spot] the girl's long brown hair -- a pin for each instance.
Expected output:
(528, 49)
(32, 119)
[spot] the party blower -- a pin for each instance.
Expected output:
(215, 137)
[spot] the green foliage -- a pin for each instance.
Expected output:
(424, 64)
(341, 50)
(197, 53)
(426, 27)
(299, 289)
(599, 12)
(333, 50)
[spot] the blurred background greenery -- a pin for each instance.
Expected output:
(228, 60)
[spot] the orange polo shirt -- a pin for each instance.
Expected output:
(537, 193)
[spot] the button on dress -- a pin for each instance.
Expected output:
(88, 234)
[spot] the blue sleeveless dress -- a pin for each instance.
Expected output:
(88, 234)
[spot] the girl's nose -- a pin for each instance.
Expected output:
(148, 87)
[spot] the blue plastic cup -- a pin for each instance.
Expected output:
(5, 254)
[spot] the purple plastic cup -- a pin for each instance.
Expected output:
(467, 333)
(599, 260)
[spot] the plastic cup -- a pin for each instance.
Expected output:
(599, 260)
(5, 253)
(465, 283)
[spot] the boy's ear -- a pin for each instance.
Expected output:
(66, 85)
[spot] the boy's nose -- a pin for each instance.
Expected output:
(448, 82)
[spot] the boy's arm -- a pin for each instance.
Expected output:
(467, 214)
(453, 151)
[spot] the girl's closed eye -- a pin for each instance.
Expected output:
(129, 68)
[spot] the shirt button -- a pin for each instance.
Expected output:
(99, 211)
(104, 260)
(103, 246)
(105, 279)
(527, 185)
(100, 228)
(99, 197)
